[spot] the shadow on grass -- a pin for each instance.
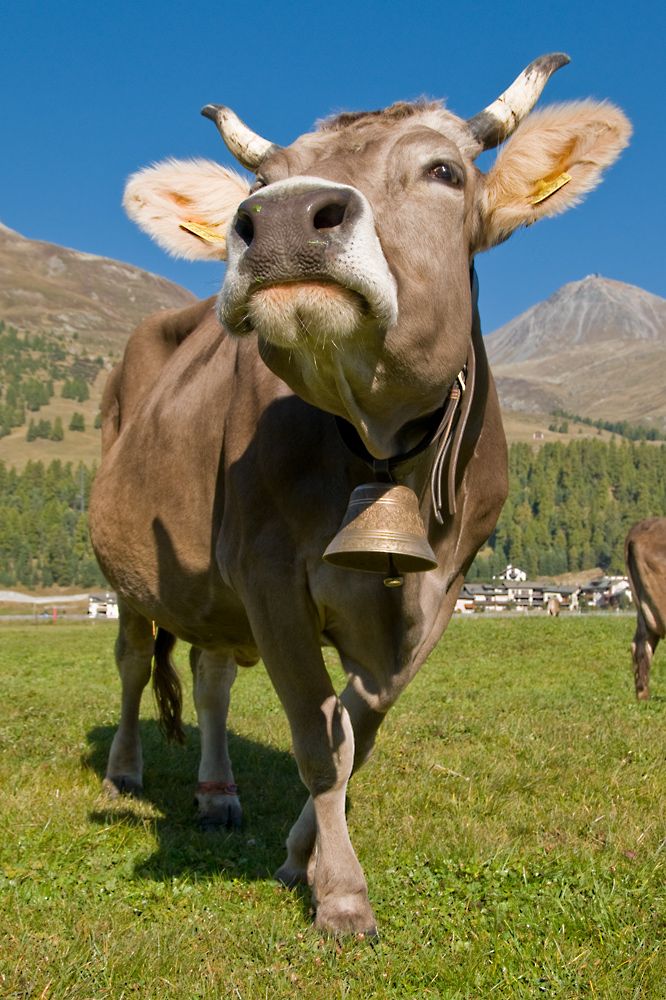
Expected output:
(270, 791)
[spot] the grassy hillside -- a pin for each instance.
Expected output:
(77, 446)
(54, 359)
(86, 447)
(524, 426)
(45, 378)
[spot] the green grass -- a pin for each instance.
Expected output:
(511, 825)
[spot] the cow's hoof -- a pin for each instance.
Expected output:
(218, 812)
(218, 805)
(643, 694)
(122, 784)
(210, 824)
(345, 915)
(291, 877)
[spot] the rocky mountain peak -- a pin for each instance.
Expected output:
(596, 348)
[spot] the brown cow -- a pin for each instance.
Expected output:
(645, 556)
(553, 607)
(236, 430)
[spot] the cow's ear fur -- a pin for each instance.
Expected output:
(579, 140)
(166, 198)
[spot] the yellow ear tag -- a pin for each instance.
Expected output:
(204, 233)
(546, 188)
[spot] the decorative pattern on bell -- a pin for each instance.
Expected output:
(382, 532)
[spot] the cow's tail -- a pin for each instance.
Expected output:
(167, 687)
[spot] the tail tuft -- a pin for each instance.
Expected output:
(167, 687)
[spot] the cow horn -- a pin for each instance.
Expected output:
(496, 122)
(248, 147)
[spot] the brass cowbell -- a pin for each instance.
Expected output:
(382, 532)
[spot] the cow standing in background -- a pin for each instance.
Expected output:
(554, 606)
(645, 556)
(235, 430)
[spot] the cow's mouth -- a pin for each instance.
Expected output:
(289, 313)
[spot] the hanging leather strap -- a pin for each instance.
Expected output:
(447, 433)
(459, 402)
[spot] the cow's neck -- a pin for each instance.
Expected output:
(441, 441)
(441, 438)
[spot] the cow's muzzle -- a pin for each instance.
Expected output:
(287, 238)
(295, 236)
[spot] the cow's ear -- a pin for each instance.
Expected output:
(553, 158)
(186, 205)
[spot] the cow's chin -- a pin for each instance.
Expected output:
(291, 314)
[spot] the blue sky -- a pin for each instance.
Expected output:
(93, 91)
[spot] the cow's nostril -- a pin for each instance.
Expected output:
(244, 228)
(329, 216)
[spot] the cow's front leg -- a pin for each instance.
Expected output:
(216, 793)
(323, 742)
(134, 653)
(301, 853)
(324, 750)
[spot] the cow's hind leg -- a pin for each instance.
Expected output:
(134, 653)
(642, 650)
(216, 793)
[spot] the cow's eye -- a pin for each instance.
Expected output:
(446, 173)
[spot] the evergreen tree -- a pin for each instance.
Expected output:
(57, 434)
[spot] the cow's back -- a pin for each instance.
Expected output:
(147, 351)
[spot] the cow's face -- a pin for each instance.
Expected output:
(350, 260)
(349, 257)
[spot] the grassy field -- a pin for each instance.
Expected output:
(511, 825)
(519, 426)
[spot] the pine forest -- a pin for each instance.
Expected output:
(570, 506)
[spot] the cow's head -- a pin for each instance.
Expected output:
(349, 256)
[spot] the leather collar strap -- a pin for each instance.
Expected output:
(458, 403)
(461, 401)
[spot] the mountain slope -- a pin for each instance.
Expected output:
(49, 287)
(596, 348)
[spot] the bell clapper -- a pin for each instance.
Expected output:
(396, 579)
